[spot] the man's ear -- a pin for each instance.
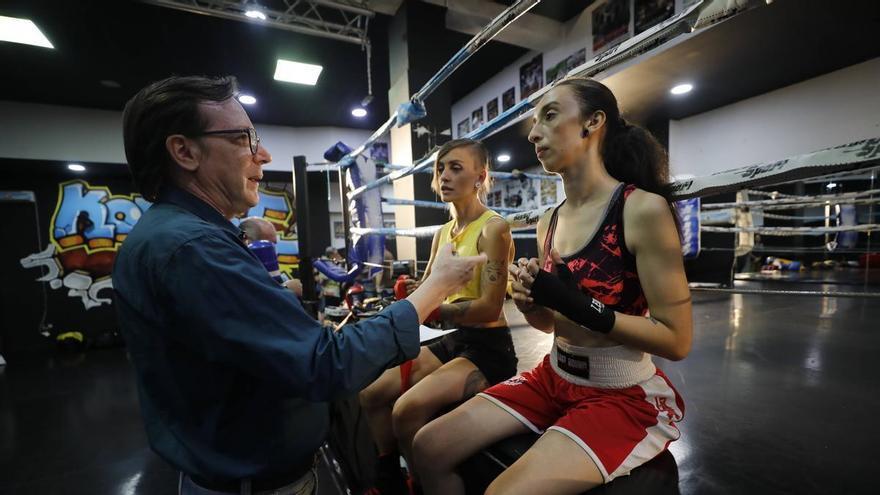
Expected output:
(184, 151)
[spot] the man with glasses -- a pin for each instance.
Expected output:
(233, 375)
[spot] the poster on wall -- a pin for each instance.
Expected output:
(548, 192)
(559, 70)
(651, 12)
(610, 24)
(494, 198)
(531, 76)
(476, 118)
(508, 99)
(491, 109)
(464, 127)
(520, 194)
(338, 230)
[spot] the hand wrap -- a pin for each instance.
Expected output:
(560, 293)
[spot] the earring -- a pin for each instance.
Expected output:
(477, 185)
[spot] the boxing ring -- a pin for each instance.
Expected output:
(360, 179)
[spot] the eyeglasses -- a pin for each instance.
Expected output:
(253, 139)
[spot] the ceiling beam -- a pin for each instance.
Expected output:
(300, 16)
(530, 31)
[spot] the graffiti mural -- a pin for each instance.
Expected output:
(85, 231)
(90, 223)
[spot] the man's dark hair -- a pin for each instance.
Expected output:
(166, 107)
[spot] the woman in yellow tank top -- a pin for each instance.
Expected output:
(480, 353)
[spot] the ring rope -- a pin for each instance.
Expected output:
(821, 199)
(504, 19)
(792, 231)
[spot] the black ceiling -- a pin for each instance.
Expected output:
(133, 43)
(767, 48)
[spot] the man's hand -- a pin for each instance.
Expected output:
(451, 271)
(448, 274)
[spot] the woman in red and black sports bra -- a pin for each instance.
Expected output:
(609, 284)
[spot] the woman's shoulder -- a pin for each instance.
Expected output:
(643, 205)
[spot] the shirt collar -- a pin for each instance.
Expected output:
(186, 200)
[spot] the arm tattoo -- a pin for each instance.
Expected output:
(493, 271)
(455, 311)
(475, 382)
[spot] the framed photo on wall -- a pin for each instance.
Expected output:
(651, 12)
(508, 99)
(610, 24)
(476, 118)
(531, 76)
(464, 127)
(491, 109)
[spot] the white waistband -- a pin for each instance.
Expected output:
(610, 367)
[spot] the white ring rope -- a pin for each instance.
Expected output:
(793, 231)
(821, 199)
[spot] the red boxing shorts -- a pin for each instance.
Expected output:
(612, 402)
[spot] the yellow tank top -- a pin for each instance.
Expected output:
(465, 243)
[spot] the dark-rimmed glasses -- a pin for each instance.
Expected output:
(253, 139)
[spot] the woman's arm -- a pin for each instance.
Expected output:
(496, 242)
(537, 316)
(651, 235)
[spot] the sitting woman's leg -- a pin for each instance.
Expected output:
(555, 465)
(444, 443)
(377, 402)
(454, 382)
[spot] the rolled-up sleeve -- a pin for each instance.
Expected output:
(225, 306)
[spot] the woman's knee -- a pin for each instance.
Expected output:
(428, 449)
(409, 414)
(375, 396)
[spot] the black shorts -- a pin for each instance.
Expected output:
(490, 349)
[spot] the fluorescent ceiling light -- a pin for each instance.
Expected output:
(503, 158)
(22, 31)
(681, 89)
(247, 99)
(255, 14)
(359, 112)
(76, 167)
(296, 72)
(831, 185)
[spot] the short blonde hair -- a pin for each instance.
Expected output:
(481, 155)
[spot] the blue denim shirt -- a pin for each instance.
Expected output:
(233, 375)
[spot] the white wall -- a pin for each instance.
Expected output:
(832, 109)
(48, 132)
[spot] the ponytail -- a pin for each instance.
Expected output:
(631, 154)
